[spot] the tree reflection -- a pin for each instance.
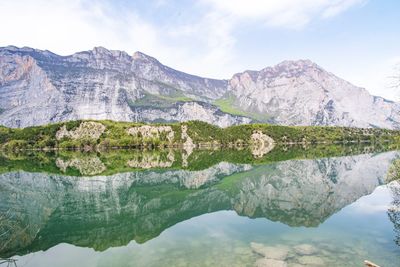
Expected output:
(394, 211)
(394, 171)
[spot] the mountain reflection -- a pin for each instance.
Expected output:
(55, 204)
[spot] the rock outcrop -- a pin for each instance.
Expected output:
(86, 130)
(150, 132)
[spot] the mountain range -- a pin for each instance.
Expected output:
(39, 87)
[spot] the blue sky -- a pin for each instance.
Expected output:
(358, 40)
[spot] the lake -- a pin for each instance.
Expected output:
(315, 206)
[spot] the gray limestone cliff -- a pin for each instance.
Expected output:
(39, 87)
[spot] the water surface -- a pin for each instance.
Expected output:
(206, 209)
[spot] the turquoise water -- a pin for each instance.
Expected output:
(339, 207)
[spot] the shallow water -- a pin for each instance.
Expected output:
(211, 216)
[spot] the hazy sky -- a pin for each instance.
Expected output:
(358, 40)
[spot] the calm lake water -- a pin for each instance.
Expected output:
(145, 209)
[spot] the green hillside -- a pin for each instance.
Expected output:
(91, 135)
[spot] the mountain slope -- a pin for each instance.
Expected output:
(302, 93)
(39, 87)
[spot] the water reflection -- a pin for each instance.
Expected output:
(394, 210)
(43, 209)
(74, 163)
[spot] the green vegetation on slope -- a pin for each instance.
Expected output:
(159, 101)
(203, 132)
(116, 135)
(227, 105)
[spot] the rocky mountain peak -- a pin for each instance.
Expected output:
(139, 56)
(300, 63)
(10, 48)
(101, 58)
(100, 50)
(293, 68)
(302, 93)
(287, 68)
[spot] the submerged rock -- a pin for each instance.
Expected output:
(270, 263)
(311, 261)
(276, 252)
(305, 249)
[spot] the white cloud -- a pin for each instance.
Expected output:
(203, 45)
(69, 26)
(369, 205)
(283, 13)
(58, 25)
(207, 45)
(377, 77)
(337, 7)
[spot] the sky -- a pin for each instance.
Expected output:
(358, 40)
